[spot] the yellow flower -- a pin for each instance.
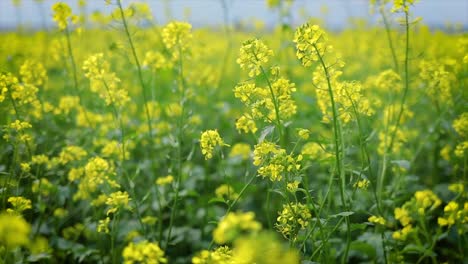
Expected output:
(310, 43)
(33, 72)
(62, 15)
(165, 180)
(103, 81)
(376, 220)
(177, 36)
(292, 218)
(103, 225)
(117, 200)
(143, 252)
(402, 215)
(233, 225)
(210, 139)
(292, 186)
(426, 199)
(149, 220)
(253, 54)
(19, 204)
(457, 188)
(226, 192)
(264, 248)
(403, 233)
(220, 255)
(303, 133)
(241, 150)
(245, 123)
(14, 230)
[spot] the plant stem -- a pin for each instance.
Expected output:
(389, 37)
(339, 166)
(276, 106)
(140, 74)
(400, 113)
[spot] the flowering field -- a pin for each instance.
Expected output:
(127, 140)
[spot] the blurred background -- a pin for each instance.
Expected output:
(335, 13)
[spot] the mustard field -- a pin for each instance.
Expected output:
(125, 140)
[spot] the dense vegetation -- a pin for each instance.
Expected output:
(124, 140)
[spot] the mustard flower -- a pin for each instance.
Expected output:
(220, 255)
(233, 225)
(19, 204)
(293, 217)
(165, 180)
(63, 14)
(143, 252)
(246, 124)
(33, 72)
(116, 201)
(264, 248)
(461, 125)
(177, 36)
(310, 43)
(242, 150)
(253, 54)
(103, 225)
(377, 220)
(226, 191)
(208, 141)
(362, 184)
(103, 81)
(14, 230)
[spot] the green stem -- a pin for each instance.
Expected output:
(180, 125)
(400, 113)
(276, 106)
(140, 74)
(75, 73)
(389, 37)
(338, 138)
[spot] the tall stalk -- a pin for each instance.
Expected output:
(401, 110)
(339, 165)
(389, 37)
(180, 125)
(137, 62)
(75, 72)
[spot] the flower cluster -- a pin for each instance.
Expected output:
(97, 173)
(311, 44)
(103, 81)
(293, 217)
(226, 191)
(220, 255)
(14, 230)
(177, 37)
(274, 162)
(423, 202)
(253, 55)
(143, 252)
(208, 141)
(19, 204)
(116, 201)
(265, 103)
(264, 248)
(63, 15)
(235, 224)
(33, 72)
(460, 125)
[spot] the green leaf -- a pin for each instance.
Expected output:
(364, 248)
(217, 200)
(343, 214)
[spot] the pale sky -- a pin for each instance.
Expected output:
(209, 12)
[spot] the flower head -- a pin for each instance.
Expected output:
(253, 54)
